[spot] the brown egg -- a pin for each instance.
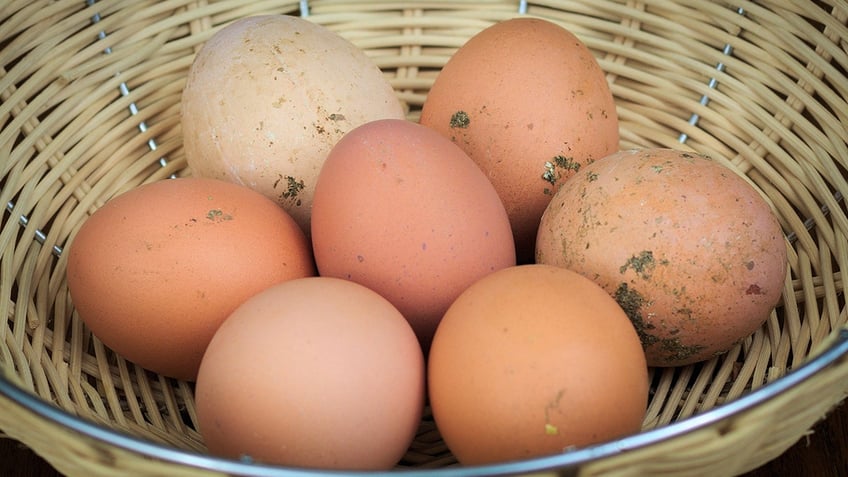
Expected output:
(403, 211)
(528, 101)
(532, 360)
(317, 372)
(268, 96)
(154, 271)
(689, 249)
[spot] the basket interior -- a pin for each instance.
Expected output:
(90, 108)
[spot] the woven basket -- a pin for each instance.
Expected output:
(90, 97)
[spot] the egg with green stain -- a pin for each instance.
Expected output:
(267, 96)
(528, 101)
(689, 248)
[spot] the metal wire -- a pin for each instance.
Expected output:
(713, 83)
(38, 234)
(809, 223)
(124, 89)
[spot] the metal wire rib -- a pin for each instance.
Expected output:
(38, 234)
(713, 83)
(41, 237)
(124, 89)
(809, 223)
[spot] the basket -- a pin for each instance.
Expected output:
(90, 97)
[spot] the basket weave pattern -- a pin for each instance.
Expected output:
(89, 108)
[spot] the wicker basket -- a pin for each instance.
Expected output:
(90, 108)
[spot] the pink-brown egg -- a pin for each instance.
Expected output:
(404, 211)
(155, 270)
(316, 372)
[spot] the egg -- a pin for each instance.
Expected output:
(689, 249)
(527, 100)
(154, 271)
(405, 212)
(532, 360)
(315, 372)
(265, 99)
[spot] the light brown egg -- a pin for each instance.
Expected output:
(155, 271)
(533, 360)
(528, 101)
(317, 372)
(689, 249)
(268, 96)
(402, 210)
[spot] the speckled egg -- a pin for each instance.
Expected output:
(689, 249)
(266, 98)
(530, 104)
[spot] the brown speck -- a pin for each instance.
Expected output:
(750, 265)
(754, 289)
(360, 258)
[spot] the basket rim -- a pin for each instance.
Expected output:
(567, 460)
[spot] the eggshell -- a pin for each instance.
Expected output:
(689, 249)
(403, 211)
(532, 360)
(267, 97)
(315, 372)
(527, 100)
(155, 270)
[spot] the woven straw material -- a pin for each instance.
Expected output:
(89, 108)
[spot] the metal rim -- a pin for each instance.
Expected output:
(565, 463)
